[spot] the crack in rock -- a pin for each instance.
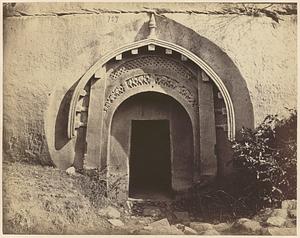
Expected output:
(255, 10)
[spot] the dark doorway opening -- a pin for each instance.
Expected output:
(150, 159)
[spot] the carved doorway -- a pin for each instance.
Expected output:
(151, 146)
(150, 159)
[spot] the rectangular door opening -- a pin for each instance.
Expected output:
(150, 160)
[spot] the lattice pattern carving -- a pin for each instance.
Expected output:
(154, 62)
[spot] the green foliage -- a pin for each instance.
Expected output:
(266, 162)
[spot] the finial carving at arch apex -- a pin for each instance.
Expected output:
(152, 26)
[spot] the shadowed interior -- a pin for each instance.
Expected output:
(150, 162)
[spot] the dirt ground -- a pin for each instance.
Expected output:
(45, 200)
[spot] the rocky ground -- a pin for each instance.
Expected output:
(45, 200)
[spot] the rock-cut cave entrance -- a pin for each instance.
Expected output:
(151, 147)
(150, 159)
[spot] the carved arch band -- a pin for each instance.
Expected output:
(191, 56)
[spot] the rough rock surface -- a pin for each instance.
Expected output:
(276, 231)
(116, 222)
(162, 222)
(263, 215)
(290, 223)
(289, 204)
(151, 211)
(293, 213)
(281, 221)
(263, 88)
(161, 227)
(269, 69)
(63, 9)
(222, 227)
(283, 213)
(276, 221)
(201, 226)
(28, 204)
(210, 233)
(182, 216)
(71, 171)
(189, 231)
(246, 226)
(110, 212)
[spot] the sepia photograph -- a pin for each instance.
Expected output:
(149, 118)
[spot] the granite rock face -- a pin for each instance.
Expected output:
(237, 46)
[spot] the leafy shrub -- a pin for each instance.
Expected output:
(266, 163)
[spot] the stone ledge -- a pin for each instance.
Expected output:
(62, 9)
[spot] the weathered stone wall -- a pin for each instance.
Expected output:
(264, 51)
(48, 47)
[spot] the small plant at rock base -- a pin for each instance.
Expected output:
(101, 189)
(265, 159)
(93, 186)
